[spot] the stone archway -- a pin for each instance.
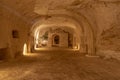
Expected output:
(83, 30)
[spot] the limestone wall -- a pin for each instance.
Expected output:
(104, 18)
(3, 30)
(8, 23)
(108, 22)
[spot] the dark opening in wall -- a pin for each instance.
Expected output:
(3, 53)
(15, 34)
(56, 39)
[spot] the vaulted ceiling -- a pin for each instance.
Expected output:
(25, 8)
(21, 8)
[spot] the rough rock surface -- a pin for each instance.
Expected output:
(60, 66)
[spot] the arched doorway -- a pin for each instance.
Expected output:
(56, 40)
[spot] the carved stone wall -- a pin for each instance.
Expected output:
(63, 38)
(11, 22)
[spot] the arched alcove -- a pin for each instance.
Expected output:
(55, 40)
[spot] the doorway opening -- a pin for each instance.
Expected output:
(56, 40)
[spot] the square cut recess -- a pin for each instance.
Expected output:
(15, 34)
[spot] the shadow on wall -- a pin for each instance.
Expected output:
(6, 55)
(3, 53)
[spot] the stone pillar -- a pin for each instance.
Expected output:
(49, 40)
(29, 44)
(91, 49)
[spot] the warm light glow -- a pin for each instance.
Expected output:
(76, 47)
(36, 37)
(44, 42)
(25, 49)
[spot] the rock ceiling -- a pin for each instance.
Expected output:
(25, 8)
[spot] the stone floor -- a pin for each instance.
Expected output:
(60, 66)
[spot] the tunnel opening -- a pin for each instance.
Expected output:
(54, 37)
(61, 32)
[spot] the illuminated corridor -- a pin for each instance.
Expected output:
(59, 39)
(60, 66)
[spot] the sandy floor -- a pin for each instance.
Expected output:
(60, 66)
